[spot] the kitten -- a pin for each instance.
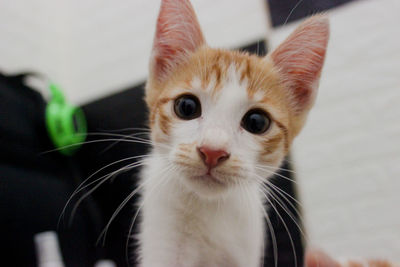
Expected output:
(221, 123)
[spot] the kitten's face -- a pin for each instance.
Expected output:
(224, 101)
(225, 118)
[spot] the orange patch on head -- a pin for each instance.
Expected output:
(212, 65)
(164, 121)
(271, 144)
(158, 111)
(285, 132)
(245, 70)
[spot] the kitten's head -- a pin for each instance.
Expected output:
(225, 118)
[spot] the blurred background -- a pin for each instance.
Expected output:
(346, 161)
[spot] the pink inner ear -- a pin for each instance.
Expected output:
(300, 59)
(178, 33)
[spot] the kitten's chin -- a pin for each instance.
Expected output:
(206, 186)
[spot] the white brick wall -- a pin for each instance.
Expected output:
(93, 47)
(347, 158)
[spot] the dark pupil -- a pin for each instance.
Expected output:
(256, 123)
(187, 107)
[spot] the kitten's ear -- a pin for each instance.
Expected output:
(299, 60)
(178, 34)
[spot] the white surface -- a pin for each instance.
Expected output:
(93, 47)
(105, 263)
(48, 250)
(348, 156)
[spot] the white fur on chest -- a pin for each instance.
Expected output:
(179, 229)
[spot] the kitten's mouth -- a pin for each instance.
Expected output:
(208, 178)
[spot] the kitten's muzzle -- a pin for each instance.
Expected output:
(212, 157)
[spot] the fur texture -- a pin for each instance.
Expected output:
(191, 218)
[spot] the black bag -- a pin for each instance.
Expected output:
(35, 186)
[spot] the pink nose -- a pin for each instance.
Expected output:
(212, 157)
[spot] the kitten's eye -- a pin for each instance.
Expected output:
(187, 107)
(256, 121)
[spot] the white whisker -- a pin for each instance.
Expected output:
(291, 11)
(277, 174)
(288, 212)
(285, 226)
(83, 186)
(273, 236)
(103, 180)
(264, 187)
(275, 168)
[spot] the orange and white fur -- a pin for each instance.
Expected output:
(221, 124)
